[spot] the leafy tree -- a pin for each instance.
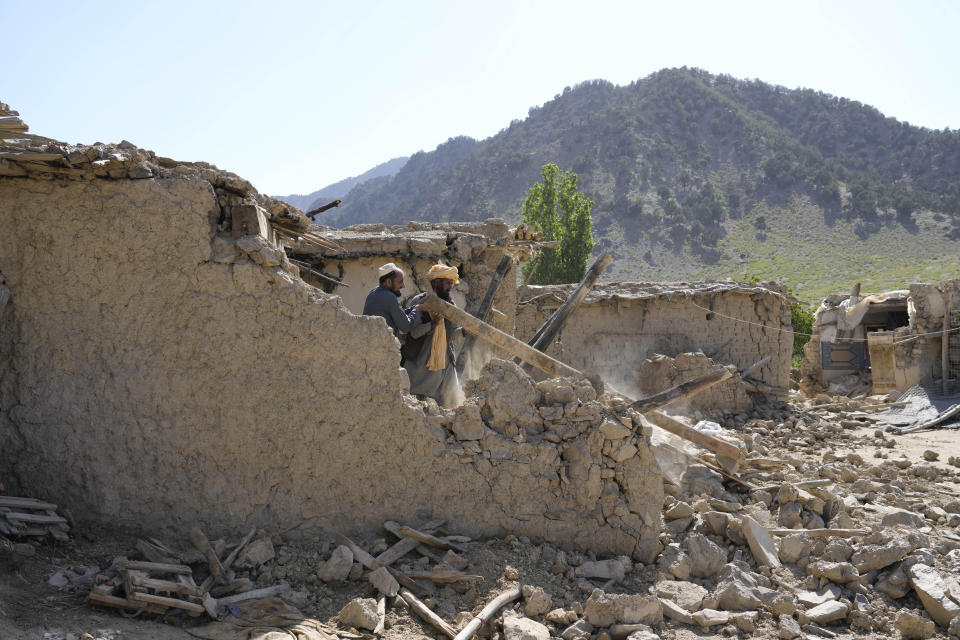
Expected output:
(558, 209)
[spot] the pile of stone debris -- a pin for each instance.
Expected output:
(806, 541)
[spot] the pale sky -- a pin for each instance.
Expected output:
(295, 95)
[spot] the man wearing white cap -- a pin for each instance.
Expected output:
(384, 301)
(428, 356)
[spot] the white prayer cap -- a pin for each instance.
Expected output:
(387, 269)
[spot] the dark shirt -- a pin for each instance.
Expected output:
(384, 303)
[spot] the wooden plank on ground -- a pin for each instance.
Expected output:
(406, 545)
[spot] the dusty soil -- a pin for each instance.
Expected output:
(794, 442)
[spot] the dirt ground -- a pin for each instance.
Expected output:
(799, 442)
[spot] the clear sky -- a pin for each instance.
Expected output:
(295, 95)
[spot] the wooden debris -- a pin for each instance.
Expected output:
(424, 612)
(406, 545)
(401, 530)
(483, 310)
(21, 517)
(822, 533)
(681, 391)
(705, 440)
(497, 338)
(200, 542)
(444, 576)
(544, 336)
(371, 563)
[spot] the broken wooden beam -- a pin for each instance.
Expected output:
(681, 391)
(406, 545)
(401, 530)
(424, 612)
(445, 576)
(822, 533)
(484, 309)
(371, 563)
(722, 447)
(497, 338)
(200, 542)
(548, 330)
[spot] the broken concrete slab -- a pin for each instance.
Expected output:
(878, 556)
(840, 572)
(789, 628)
(338, 566)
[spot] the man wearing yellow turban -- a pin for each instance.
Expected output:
(428, 356)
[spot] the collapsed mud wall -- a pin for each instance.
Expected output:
(620, 326)
(162, 374)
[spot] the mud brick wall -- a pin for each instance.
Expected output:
(621, 325)
(156, 373)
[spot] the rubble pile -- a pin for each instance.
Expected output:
(824, 531)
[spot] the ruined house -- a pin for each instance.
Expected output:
(349, 267)
(642, 338)
(163, 365)
(885, 342)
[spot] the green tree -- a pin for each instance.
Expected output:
(561, 212)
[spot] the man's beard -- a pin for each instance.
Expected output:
(442, 292)
(396, 292)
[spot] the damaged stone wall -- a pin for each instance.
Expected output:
(619, 326)
(163, 374)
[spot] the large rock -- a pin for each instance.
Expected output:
(612, 569)
(338, 566)
(579, 629)
(360, 613)
(706, 557)
(675, 562)
(903, 518)
(794, 547)
(828, 612)
(839, 572)
(521, 628)
(878, 556)
(789, 628)
(685, 594)
(912, 626)
(761, 544)
(537, 602)
(605, 609)
(675, 612)
(814, 598)
(706, 618)
(738, 590)
(255, 554)
(932, 591)
(698, 479)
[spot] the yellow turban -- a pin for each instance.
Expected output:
(443, 271)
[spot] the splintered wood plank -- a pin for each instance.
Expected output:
(25, 503)
(124, 603)
(191, 607)
(166, 585)
(406, 545)
(401, 530)
(136, 565)
(34, 518)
